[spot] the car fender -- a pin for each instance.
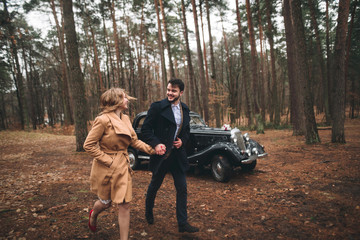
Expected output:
(204, 156)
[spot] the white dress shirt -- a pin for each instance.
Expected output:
(177, 115)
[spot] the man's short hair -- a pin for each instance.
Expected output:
(177, 82)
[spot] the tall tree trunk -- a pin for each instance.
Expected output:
(274, 92)
(68, 119)
(130, 80)
(109, 76)
(18, 78)
(139, 63)
(77, 81)
(232, 83)
(188, 58)
(161, 48)
(311, 133)
(338, 133)
(325, 90)
(262, 70)
(30, 94)
(204, 46)
(213, 69)
(120, 74)
(204, 87)
(348, 46)
(167, 40)
(244, 72)
(296, 95)
(328, 56)
(254, 69)
(97, 62)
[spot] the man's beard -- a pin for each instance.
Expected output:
(175, 99)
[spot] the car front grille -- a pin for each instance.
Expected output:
(239, 138)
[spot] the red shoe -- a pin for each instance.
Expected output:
(92, 228)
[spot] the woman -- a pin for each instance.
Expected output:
(107, 142)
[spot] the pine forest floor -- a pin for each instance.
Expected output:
(298, 192)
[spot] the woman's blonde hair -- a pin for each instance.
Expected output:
(113, 98)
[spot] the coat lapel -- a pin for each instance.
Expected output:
(167, 111)
(119, 125)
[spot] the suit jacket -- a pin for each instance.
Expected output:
(160, 127)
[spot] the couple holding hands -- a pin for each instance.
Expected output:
(166, 130)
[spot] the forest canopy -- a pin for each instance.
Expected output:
(247, 63)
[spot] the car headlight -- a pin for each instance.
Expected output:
(255, 151)
(233, 137)
(246, 137)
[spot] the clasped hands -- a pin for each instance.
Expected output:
(160, 149)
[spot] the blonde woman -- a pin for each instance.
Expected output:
(107, 142)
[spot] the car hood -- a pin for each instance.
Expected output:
(209, 130)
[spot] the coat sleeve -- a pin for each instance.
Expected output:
(91, 143)
(138, 144)
(149, 126)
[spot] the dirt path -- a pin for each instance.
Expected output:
(298, 192)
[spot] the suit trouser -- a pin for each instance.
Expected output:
(169, 165)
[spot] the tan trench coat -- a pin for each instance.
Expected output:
(107, 142)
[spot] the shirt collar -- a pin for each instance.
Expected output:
(176, 106)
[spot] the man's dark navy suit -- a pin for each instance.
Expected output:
(160, 127)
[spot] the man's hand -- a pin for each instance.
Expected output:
(177, 143)
(160, 149)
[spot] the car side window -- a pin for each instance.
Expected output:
(141, 122)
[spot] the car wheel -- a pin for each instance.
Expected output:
(221, 168)
(248, 167)
(134, 161)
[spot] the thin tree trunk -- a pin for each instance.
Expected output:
(274, 92)
(325, 90)
(167, 40)
(139, 63)
(30, 94)
(109, 76)
(254, 70)
(18, 79)
(233, 86)
(213, 69)
(77, 81)
(328, 55)
(65, 74)
(348, 46)
(296, 95)
(338, 133)
(311, 133)
(161, 48)
(204, 87)
(188, 58)
(120, 75)
(262, 71)
(244, 71)
(204, 46)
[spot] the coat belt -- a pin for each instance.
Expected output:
(123, 151)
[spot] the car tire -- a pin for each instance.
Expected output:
(134, 160)
(248, 167)
(221, 168)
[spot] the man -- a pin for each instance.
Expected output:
(167, 126)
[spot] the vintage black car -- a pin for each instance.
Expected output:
(221, 150)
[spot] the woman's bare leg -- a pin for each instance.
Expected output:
(124, 220)
(97, 209)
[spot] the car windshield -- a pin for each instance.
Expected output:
(196, 121)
